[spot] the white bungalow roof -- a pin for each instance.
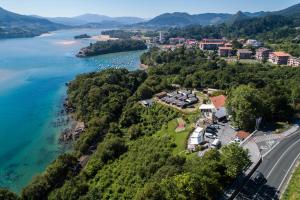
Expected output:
(207, 107)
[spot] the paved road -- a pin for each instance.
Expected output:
(276, 168)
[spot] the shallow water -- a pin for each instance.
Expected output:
(33, 73)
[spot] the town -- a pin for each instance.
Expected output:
(248, 50)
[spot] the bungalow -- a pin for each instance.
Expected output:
(279, 58)
(225, 51)
(294, 62)
(244, 54)
(262, 53)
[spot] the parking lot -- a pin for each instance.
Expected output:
(225, 134)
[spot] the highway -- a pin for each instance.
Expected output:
(276, 168)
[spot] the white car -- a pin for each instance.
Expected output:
(209, 135)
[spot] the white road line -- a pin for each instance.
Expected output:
(255, 196)
(289, 170)
(285, 152)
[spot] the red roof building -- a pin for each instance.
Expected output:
(242, 135)
(279, 58)
(218, 101)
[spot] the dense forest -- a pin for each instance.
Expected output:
(111, 46)
(132, 152)
(130, 157)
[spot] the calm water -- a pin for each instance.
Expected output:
(33, 73)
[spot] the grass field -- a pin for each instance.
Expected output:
(180, 138)
(293, 190)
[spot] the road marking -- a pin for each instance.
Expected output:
(292, 165)
(255, 196)
(285, 152)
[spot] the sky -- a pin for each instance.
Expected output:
(139, 8)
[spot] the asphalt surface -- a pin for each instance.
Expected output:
(276, 168)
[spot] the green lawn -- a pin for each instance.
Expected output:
(293, 190)
(180, 138)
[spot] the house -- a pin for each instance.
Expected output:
(294, 62)
(279, 58)
(262, 54)
(211, 44)
(197, 136)
(228, 44)
(244, 54)
(216, 110)
(220, 114)
(177, 40)
(218, 101)
(253, 43)
(225, 51)
(191, 42)
(242, 135)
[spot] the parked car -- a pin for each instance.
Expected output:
(211, 130)
(210, 135)
(214, 126)
(233, 127)
(216, 143)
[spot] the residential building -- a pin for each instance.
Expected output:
(177, 40)
(225, 51)
(211, 44)
(228, 44)
(262, 53)
(197, 136)
(294, 62)
(253, 43)
(244, 54)
(279, 58)
(218, 101)
(191, 42)
(216, 110)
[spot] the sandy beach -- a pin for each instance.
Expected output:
(66, 42)
(102, 38)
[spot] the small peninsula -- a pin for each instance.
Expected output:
(111, 46)
(82, 36)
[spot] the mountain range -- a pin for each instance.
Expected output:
(184, 19)
(16, 25)
(94, 18)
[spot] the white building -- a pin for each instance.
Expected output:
(253, 43)
(197, 136)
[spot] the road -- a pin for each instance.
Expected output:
(276, 168)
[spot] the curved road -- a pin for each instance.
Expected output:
(276, 168)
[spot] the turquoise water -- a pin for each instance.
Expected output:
(33, 73)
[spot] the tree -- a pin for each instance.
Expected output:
(7, 195)
(244, 106)
(234, 158)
